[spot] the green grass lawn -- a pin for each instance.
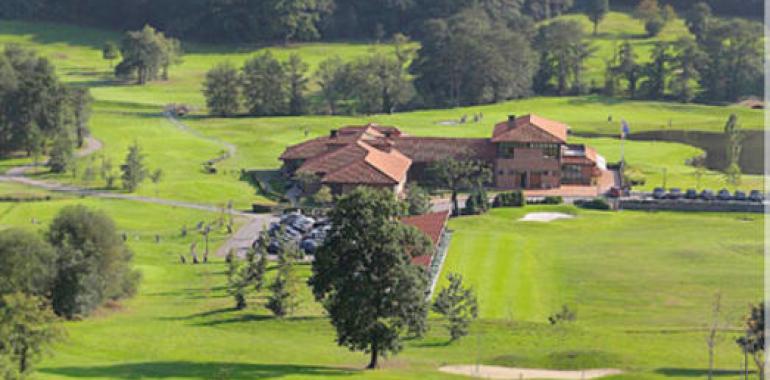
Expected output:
(125, 113)
(642, 304)
(641, 282)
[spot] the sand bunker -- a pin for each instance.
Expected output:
(545, 216)
(497, 372)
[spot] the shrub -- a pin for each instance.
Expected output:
(634, 177)
(594, 204)
(549, 200)
(654, 26)
(510, 199)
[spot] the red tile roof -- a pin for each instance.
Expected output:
(423, 261)
(305, 150)
(430, 149)
(530, 128)
(372, 129)
(432, 224)
(359, 163)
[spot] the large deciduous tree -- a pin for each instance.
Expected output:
(264, 86)
(697, 19)
(35, 107)
(734, 64)
(469, 58)
(563, 53)
(363, 276)
(147, 54)
(685, 62)
(332, 78)
(93, 263)
(301, 19)
(222, 90)
(296, 75)
(656, 72)
(458, 174)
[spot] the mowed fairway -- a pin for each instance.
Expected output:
(663, 268)
(641, 283)
(124, 113)
(642, 297)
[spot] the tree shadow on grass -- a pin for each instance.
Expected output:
(201, 314)
(256, 318)
(698, 372)
(198, 370)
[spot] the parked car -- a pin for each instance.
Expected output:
(739, 196)
(691, 194)
(724, 195)
(674, 193)
(659, 193)
(303, 224)
(707, 195)
(756, 196)
(309, 246)
(614, 192)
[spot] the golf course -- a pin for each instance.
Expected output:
(641, 284)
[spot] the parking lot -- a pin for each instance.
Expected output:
(305, 232)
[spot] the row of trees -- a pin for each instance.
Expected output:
(38, 114)
(298, 20)
(266, 86)
(481, 55)
(76, 266)
(270, 20)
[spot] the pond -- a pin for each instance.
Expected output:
(714, 144)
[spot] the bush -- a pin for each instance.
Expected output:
(549, 200)
(594, 204)
(654, 26)
(477, 203)
(510, 199)
(634, 177)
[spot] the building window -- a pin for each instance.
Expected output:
(572, 172)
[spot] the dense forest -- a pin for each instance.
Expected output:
(304, 20)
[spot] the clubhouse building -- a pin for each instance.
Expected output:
(527, 152)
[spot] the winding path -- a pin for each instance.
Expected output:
(231, 148)
(240, 241)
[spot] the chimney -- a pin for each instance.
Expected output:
(511, 121)
(333, 133)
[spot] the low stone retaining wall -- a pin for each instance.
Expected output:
(690, 205)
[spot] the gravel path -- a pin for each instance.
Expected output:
(231, 149)
(241, 239)
(510, 373)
